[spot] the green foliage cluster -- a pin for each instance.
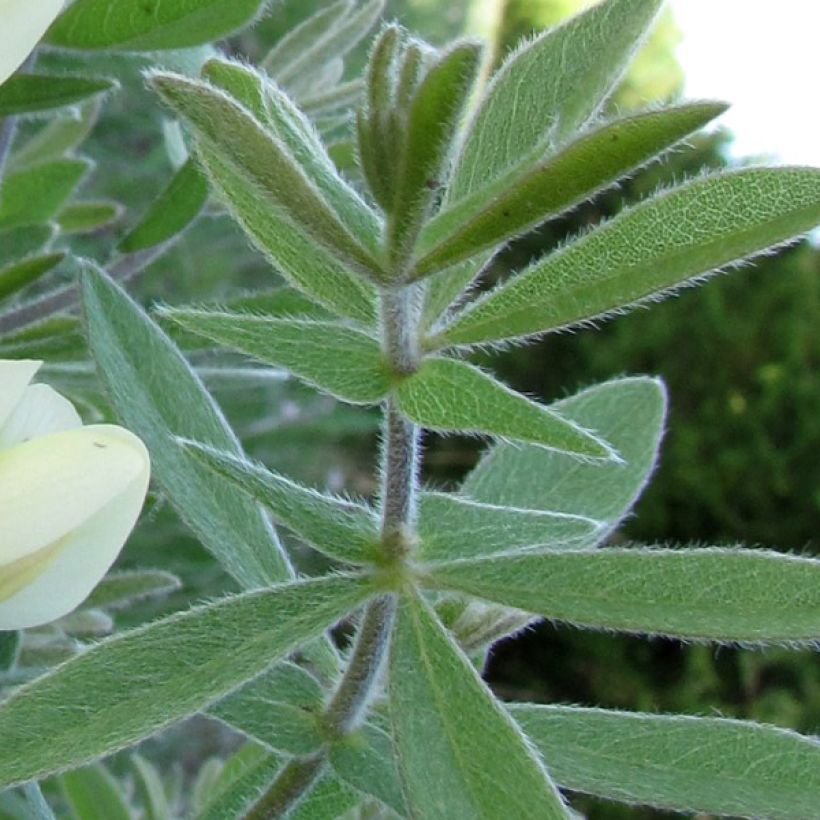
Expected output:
(380, 231)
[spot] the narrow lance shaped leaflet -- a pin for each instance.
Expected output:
(69, 497)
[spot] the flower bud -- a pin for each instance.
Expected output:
(22, 24)
(69, 497)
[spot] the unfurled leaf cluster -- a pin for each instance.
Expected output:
(381, 259)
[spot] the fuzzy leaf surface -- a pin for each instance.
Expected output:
(17, 243)
(341, 529)
(702, 765)
(533, 192)
(29, 93)
(550, 87)
(629, 413)
(449, 395)
(58, 137)
(121, 589)
(366, 761)
(152, 25)
(124, 689)
(662, 243)
(93, 794)
(442, 711)
(158, 396)
(334, 358)
(18, 275)
(35, 194)
(172, 211)
(262, 159)
(452, 526)
(304, 263)
(711, 594)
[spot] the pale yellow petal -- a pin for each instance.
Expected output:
(15, 374)
(40, 412)
(22, 25)
(52, 485)
(85, 555)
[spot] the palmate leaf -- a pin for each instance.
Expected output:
(341, 529)
(179, 204)
(453, 526)
(712, 594)
(260, 158)
(664, 242)
(443, 714)
(537, 189)
(450, 395)
(30, 93)
(702, 765)
(149, 26)
(548, 89)
(158, 396)
(125, 689)
(337, 359)
(628, 413)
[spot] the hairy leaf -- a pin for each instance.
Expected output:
(57, 137)
(662, 243)
(18, 275)
(460, 755)
(446, 394)
(702, 765)
(333, 357)
(124, 689)
(94, 794)
(121, 589)
(727, 595)
(537, 190)
(16, 243)
(628, 413)
(158, 396)
(85, 217)
(452, 526)
(550, 87)
(341, 529)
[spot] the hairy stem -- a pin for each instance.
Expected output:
(348, 706)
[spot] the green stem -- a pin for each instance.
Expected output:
(399, 465)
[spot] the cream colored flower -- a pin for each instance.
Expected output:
(22, 25)
(69, 497)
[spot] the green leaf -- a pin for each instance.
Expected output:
(334, 358)
(691, 764)
(663, 243)
(547, 89)
(534, 191)
(28, 93)
(263, 160)
(18, 275)
(85, 217)
(279, 709)
(9, 649)
(302, 262)
(628, 413)
(453, 527)
(341, 96)
(94, 794)
(274, 109)
(179, 204)
(300, 57)
(443, 714)
(17, 243)
(158, 396)
(450, 286)
(59, 136)
(329, 799)
(727, 595)
(366, 761)
(37, 193)
(430, 130)
(124, 689)
(119, 590)
(152, 25)
(445, 394)
(151, 790)
(342, 529)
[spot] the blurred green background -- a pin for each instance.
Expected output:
(740, 357)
